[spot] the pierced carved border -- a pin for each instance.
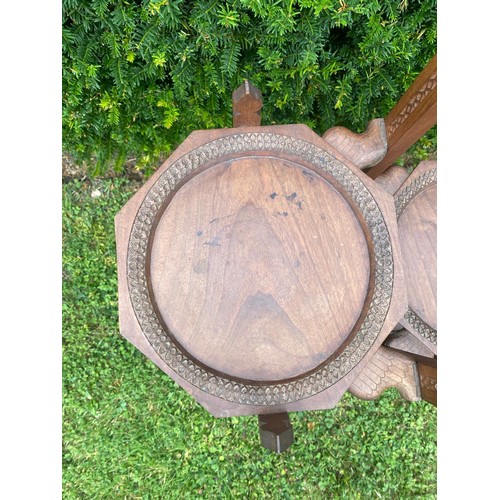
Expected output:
(426, 88)
(253, 393)
(418, 185)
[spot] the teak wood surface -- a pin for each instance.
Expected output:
(271, 268)
(427, 371)
(260, 269)
(392, 179)
(247, 103)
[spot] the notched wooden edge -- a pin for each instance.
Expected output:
(406, 341)
(247, 103)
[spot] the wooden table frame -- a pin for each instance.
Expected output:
(400, 363)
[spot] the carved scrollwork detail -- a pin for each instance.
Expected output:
(428, 86)
(248, 392)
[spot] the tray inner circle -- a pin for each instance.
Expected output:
(259, 268)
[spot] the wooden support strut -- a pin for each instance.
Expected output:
(414, 114)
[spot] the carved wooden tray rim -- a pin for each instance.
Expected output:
(270, 392)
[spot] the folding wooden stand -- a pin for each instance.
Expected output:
(262, 270)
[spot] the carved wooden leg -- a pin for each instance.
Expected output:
(427, 370)
(276, 431)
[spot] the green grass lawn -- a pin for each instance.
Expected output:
(130, 432)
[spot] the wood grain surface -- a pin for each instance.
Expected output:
(260, 268)
(426, 373)
(247, 103)
(392, 179)
(417, 226)
(428, 380)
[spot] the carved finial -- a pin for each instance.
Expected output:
(365, 149)
(247, 103)
(276, 432)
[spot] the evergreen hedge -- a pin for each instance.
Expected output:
(140, 75)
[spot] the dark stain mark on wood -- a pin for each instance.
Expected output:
(199, 233)
(214, 242)
(296, 263)
(217, 219)
(323, 217)
(309, 175)
(291, 197)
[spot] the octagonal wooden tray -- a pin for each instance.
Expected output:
(259, 269)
